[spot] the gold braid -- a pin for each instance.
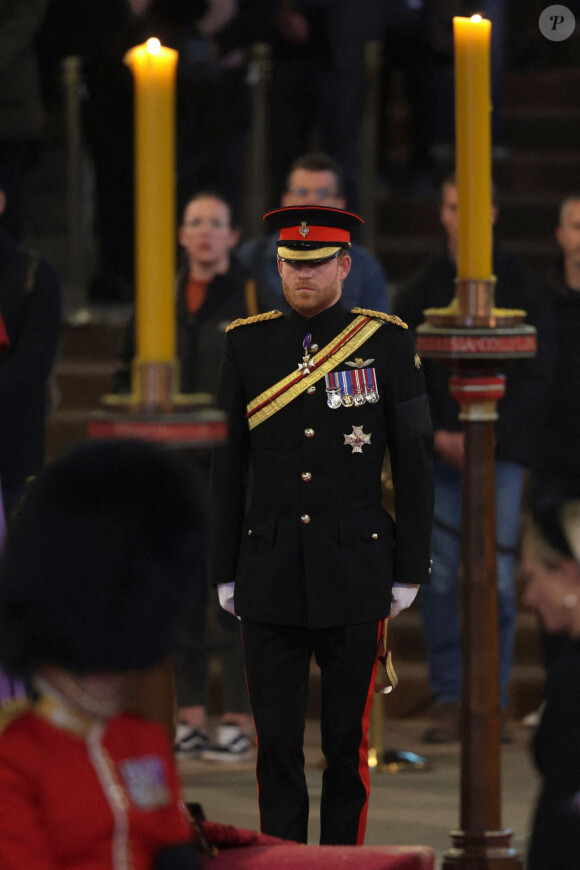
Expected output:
(256, 318)
(390, 318)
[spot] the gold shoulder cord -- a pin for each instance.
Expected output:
(256, 318)
(276, 397)
(389, 318)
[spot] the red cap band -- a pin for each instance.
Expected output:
(306, 233)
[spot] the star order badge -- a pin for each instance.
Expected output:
(304, 229)
(357, 439)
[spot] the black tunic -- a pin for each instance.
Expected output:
(320, 551)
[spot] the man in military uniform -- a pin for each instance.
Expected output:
(314, 399)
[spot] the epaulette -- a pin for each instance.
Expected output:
(390, 318)
(255, 318)
(12, 710)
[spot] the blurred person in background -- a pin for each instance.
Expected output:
(556, 451)
(22, 112)
(212, 291)
(551, 566)
(212, 104)
(315, 179)
(30, 325)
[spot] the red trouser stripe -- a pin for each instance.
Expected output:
(363, 752)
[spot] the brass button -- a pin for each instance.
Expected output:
(305, 519)
(309, 433)
(313, 348)
(374, 536)
(311, 390)
(306, 475)
(249, 531)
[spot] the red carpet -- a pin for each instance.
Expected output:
(298, 857)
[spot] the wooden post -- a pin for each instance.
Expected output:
(475, 342)
(480, 844)
(151, 694)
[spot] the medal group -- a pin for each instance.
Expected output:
(347, 388)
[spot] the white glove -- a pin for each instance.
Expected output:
(402, 596)
(226, 596)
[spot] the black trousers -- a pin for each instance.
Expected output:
(277, 660)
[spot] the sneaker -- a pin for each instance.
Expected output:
(532, 720)
(190, 741)
(231, 745)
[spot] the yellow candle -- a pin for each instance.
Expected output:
(153, 67)
(473, 146)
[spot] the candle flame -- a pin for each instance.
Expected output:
(153, 45)
(476, 17)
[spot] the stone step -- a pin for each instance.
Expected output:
(96, 341)
(405, 256)
(64, 429)
(541, 127)
(524, 126)
(548, 87)
(81, 384)
(527, 214)
(406, 637)
(532, 169)
(412, 696)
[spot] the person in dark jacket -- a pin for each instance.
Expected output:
(22, 112)
(212, 290)
(517, 287)
(212, 104)
(557, 444)
(302, 549)
(556, 449)
(315, 178)
(30, 324)
(551, 566)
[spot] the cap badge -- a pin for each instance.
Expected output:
(304, 229)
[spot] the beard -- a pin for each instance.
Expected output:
(308, 298)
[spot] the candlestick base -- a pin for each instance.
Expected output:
(443, 337)
(155, 392)
(487, 851)
(198, 428)
(155, 385)
(473, 306)
(475, 300)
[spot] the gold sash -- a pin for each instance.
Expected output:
(285, 391)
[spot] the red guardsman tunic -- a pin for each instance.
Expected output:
(105, 799)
